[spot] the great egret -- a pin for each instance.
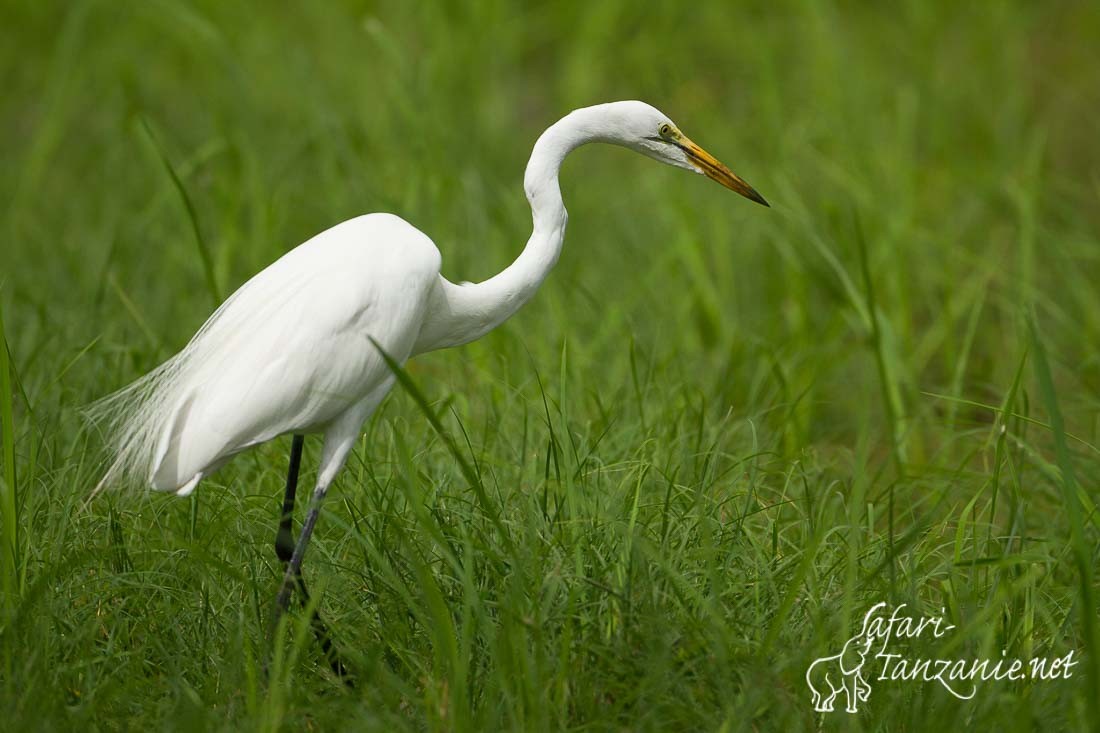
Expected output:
(296, 348)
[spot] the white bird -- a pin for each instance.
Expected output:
(296, 348)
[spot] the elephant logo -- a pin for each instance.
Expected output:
(830, 676)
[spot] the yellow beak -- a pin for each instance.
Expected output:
(714, 170)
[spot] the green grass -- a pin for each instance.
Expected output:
(717, 436)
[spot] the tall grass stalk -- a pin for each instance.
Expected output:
(9, 498)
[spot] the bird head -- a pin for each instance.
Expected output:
(641, 127)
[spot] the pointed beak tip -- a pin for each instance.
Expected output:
(748, 192)
(709, 166)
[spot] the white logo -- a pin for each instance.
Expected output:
(844, 673)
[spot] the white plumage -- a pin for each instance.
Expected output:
(289, 351)
(294, 349)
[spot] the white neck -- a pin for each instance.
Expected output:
(460, 314)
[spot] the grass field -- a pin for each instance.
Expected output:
(717, 437)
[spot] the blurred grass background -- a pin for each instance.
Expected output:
(718, 435)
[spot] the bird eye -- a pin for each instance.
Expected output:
(665, 130)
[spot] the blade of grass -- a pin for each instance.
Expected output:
(135, 313)
(1006, 415)
(467, 469)
(891, 394)
(189, 208)
(795, 587)
(1068, 485)
(9, 504)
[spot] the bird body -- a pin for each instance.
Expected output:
(290, 350)
(303, 345)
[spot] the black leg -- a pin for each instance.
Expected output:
(293, 576)
(284, 540)
(284, 548)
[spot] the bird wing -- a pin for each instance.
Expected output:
(292, 349)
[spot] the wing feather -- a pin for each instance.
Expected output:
(289, 351)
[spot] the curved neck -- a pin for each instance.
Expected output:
(508, 291)
(464, 313)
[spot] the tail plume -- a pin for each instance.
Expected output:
(136, 420)
(133, 420)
